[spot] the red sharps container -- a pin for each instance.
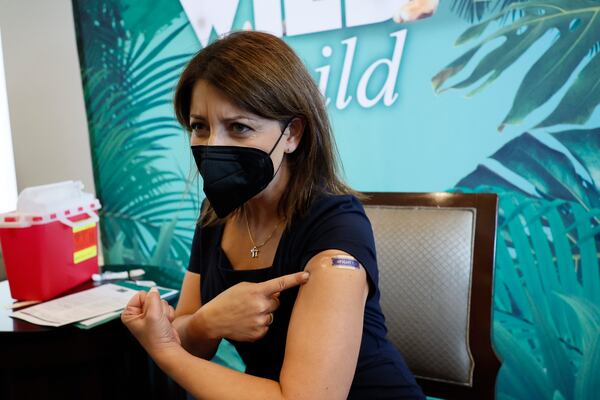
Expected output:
(50, 243)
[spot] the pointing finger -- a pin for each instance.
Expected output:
(283, 282)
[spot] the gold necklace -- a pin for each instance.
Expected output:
(255, 247)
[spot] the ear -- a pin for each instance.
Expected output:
(296, 130)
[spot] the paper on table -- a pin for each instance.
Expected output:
(78, 306)
(100, 319)
(165, 293)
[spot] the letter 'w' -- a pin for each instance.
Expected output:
(204, 15)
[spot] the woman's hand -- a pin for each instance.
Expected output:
(149, 319)
(244, 311)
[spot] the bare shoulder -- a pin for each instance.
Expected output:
(337, 269)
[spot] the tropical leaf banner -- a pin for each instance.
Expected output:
(475, 96)
(149, 211)
(547, 283)
(547, 296)
(576, 29)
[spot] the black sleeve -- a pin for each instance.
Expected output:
(341, 223)
(195, 259)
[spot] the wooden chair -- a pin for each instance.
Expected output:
(435, 255)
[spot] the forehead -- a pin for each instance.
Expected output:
(207, 99)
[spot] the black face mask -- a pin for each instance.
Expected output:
(233, 174)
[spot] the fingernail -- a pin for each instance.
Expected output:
(153, 289)
(305, 275)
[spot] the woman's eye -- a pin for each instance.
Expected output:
(197, 128)
(236, 127)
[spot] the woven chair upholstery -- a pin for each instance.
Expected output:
(426, 255)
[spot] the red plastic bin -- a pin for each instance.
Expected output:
(48, 254)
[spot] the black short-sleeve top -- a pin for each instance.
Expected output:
(332, 222)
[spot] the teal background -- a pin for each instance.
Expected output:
(544, 163)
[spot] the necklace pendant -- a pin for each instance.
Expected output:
(254, 252)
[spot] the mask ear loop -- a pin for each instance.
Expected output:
(276, 143)
(280, 136)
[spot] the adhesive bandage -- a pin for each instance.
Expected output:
(345, 262)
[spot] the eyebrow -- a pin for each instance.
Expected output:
(229, 119)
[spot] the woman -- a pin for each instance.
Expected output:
(283, 261)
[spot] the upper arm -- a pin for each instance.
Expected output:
(189, 298)
(325, 331)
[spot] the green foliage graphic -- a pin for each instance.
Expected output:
(149, 210)
(547, 282)
(148, 213)
(576, 24)
(547, 318)
(476, 10)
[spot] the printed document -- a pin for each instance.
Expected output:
(79, 306)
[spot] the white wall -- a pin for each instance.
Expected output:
(45, 96)
(8, 181)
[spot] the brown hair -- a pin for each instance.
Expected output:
(261, 74)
